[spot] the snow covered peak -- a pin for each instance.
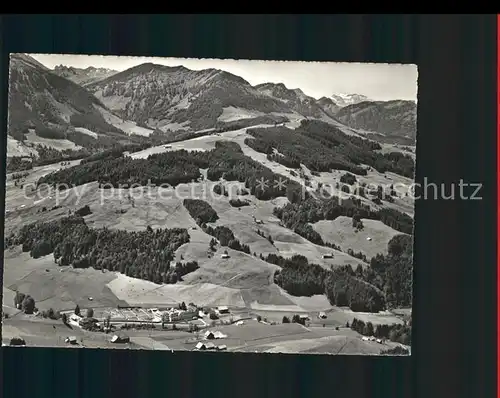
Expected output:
(342, 99)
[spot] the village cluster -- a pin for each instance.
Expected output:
(186, 317)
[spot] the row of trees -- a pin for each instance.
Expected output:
(243, 123)
(295, 319)
(144, 254)
(399, 333)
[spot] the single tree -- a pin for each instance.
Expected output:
(28, 305)
(18, 299)
(90, 313)
(77, 310)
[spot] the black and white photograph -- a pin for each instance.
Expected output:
(209, 205)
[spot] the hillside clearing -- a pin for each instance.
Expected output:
(127, 126)
(370, 241)
(231, 113)
(87, 132)
(60, 145)
(17, 148)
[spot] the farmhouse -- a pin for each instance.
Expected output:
(210, 346)
(17, 341)
(223, 309)
(219, 335)
(120, 338)
(222, 347)
(70, 340)
(322, 315)
(224, 255)
(214, 335)
(328, 255)
(201, 346)
(304, 317)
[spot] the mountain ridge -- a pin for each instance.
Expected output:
(392, 118)
(172, 99)
(83, 76)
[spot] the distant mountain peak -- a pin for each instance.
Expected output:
(81, 76)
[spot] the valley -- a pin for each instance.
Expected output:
(246, 202)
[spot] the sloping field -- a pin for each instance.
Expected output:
(48, 333)
(286, 242)
(388, 148)
(86, 131)
(127, 126)
(139, 292)
(242, 280)
(239, 271)
(60, 145)
(344, 315)
(60, 288)
(373, 179)
(341, 232)
(294, 338)
(22, 205)
(17, 148)
(231, 114)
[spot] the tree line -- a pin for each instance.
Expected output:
(323, 147)
(145, 254)
(297, 216)
(387, 283)
(398, 333)
(300, 278)
(176, 167)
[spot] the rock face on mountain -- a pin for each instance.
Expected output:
(392, 118)
(48, 103)
(175, 97)
(85, 76)
(295, 100)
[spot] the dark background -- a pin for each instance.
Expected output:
(454, 318)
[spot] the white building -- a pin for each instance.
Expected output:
(201, 346)
(223, 309)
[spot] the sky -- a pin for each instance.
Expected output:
(380, 82)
